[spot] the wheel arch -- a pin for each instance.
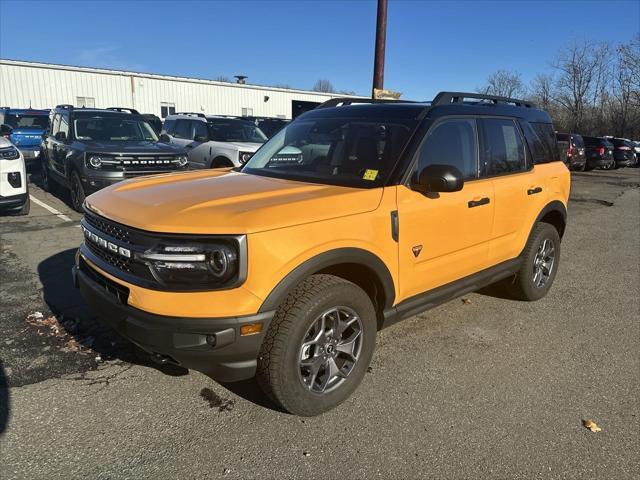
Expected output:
(555, 214)
(221, 159)
(356, 265)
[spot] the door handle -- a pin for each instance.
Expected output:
(477, 203)
(533, 191)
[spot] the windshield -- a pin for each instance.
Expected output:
(354, 152)
(235, 131)
(40, 122)
(115, 129)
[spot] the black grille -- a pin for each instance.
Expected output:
(115, 260)
(110, 229)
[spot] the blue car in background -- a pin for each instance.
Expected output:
(24, 128)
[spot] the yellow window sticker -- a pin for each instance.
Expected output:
(370, 175)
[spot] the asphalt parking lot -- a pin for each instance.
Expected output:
(476, 388)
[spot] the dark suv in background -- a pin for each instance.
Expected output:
(571, 145)
(623, 152)
(599, 153)
(87, 149)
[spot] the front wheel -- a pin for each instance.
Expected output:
(539, 264)
(318, 346)
(77, 192)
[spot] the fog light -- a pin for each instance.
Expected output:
(14, 179)
(211, 340)
(250, 329)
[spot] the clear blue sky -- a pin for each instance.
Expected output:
(431, 45)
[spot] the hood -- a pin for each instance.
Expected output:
(27, 137)
(131, 148)
(214, 202)
(246, 146)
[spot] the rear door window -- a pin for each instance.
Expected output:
(503, 148)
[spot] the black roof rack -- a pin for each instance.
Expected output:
(447, 98)
(65, 106)
(191, 114)
(133, 111)
(334, 102)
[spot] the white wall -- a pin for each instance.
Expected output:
(24, 84)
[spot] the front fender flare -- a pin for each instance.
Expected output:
(328, 259)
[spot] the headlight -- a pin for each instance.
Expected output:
(9, 153)
(196, 265)
(244, 157)
(95, 161)
(182, 160)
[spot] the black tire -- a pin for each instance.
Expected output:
(522, 286)
(47, 183)
(279, 371)
(77, 192)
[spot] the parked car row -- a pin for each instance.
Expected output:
(582, 153)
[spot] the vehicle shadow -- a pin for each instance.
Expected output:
(82, 326)
(34, 173)
(77, 320)
(4, 400)
(495, 290)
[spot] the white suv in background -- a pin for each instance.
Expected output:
(213, 142)
(14, 194)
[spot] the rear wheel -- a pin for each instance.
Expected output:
(77, 192)
(318, 346)
(540, 264)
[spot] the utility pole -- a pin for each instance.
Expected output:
(381, 40)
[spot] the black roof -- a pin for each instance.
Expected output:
(445, 103)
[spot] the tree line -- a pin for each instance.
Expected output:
(591, 88)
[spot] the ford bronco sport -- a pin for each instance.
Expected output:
(285, 271)
(87, 149)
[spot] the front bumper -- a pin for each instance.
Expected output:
(212, 346)
(13, 201)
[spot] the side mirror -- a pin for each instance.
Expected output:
(200, 138)
(5, 130)
(61, 136)
(164, 138)
(438, 178)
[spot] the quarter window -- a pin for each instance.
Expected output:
(503, 147)
(451, 142)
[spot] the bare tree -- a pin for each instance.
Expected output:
(222, 78)
(504, 83)
(541, 91)
(579, 72)
(323, 85)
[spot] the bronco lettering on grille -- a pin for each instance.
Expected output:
(105, 244)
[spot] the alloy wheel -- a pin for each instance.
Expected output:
(330, 349)
(543, 263)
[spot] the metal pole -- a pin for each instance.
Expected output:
(381, 40)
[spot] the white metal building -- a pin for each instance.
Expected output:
(42, 85)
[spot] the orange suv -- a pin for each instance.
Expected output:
(286, 268)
